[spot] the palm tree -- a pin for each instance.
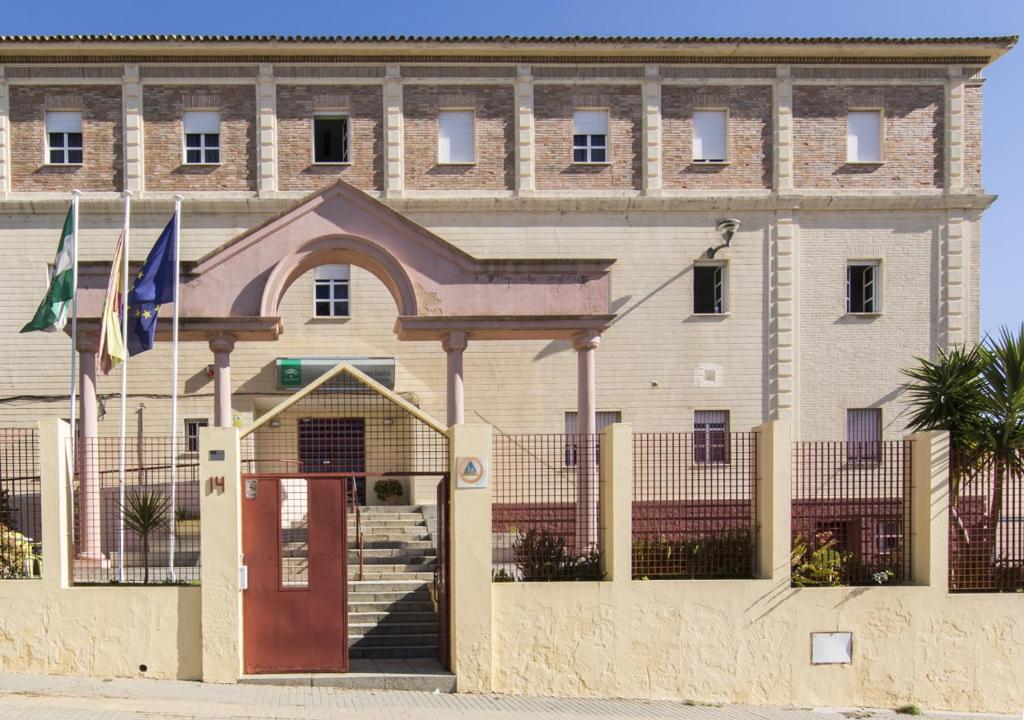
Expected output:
(145, 512)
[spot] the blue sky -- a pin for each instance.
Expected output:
(1004, 92)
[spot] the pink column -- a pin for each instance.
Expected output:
(454, 343)
(89, 500)
(222, 345)
(586, 425)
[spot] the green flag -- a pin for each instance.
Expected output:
(53, 310)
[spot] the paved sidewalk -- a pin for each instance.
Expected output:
(41, 697)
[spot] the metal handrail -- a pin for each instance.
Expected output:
(354, 496)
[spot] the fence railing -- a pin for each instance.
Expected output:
(546, 507)
(144, 530)
(851, 512)
(21, 531)
(694, 505)
(986, 526)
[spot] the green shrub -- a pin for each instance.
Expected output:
(543, 555)
(386, 489)
(17, 555)
(726, 555)
(820, 565)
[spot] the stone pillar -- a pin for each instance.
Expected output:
(5, 136)
(266, 108)
(394, 129)
(54, 481)
(774, 522)
(454, 344)
(525, 149)
(929, 510)
(783, 171)
(89, 500)
(220, 540)
(131, 101)
(955, 131)
(617, 502)
(782, 321)
(586, 426)
(222, 345)
(952, 289)
(651, 89)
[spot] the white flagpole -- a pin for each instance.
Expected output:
(124, 385)
(174, 385)
(74, 315)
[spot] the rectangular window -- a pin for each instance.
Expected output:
(710, 128)
(202, 137)
(294, 533)
(708, 289)
(710, 436)
(64, 138)
(590, 136)
(456, 138)
(604, 419)
(862, 287)
(864, 136)
(330, 287)
(192, 432)
(330, 139)
(863, 434)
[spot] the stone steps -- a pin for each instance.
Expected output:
(402, 617)
(383, 652)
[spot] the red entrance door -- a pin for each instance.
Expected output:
(294, 610)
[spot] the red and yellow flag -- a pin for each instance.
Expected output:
(112, 350)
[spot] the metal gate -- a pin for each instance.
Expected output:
(442, 576)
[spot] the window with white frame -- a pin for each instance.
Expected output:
(863, 434)
(330, 139)
(862, 287)
(864, 136)
(456, 137)
(604, 419)
(710, 133)
(64, 138)
(709, 289)
(331, 291)
(590, 136)
(710, 436)
(202, 137)
(192, 432)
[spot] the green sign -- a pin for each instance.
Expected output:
(289, 372)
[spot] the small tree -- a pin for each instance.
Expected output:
(145, 512)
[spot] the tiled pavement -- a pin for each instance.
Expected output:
(39, 697)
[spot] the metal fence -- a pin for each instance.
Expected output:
(694, 505)
(546, 508)
(21, 531)
(144, 529)
(851, 512)
(986, 527)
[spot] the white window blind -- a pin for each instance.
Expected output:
(455, 136)
(63, 122)
(864, 136)
(709, 135)
(864, 434)
(332, 272)
(604, 419)
(201, 121)
(590, 122)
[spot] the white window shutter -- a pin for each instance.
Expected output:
(455, 136)
(201, 121)
(590, 122)
(864, 136)
(64, 122)
(709, 135)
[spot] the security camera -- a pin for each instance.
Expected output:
(726, 228)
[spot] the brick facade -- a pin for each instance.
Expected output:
(912, 147)
(162, 107)
(102, 158)
(553, 108)
(972, 136)
(749, 137)
(296, 106)
(495, 137)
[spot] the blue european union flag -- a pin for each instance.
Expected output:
(153, 285)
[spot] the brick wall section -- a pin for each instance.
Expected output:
(553, 108)
(912, 148)
(296, 105)
(972, 136)
(162, 107)
(495, 137)
(103, 161)
(750, 137)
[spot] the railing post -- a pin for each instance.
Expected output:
(55, 501)
(774, 471)
(617, 502)
(929, 509)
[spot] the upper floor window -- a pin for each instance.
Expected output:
(456, 137)
(202, 137)
(709, 289)
(864, 434)
(604, 418)
(710, 132)
(64, 138)
(864, 136)
(331, 285)
(710, 436)
(330, 139)
(590, 136)
(862, 287)
(192, 432)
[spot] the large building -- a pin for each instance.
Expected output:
(847, 173)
